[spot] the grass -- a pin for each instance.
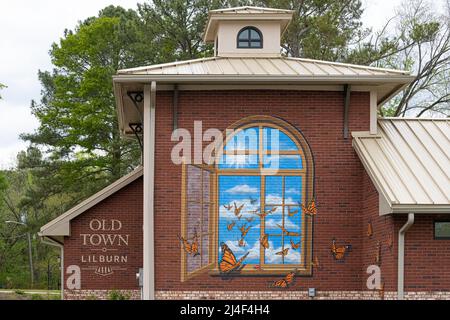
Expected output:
(20, 294)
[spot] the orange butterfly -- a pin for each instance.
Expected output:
(369, 229)
(228, 263)
(230, 226)
(286, 281)
(283, 252)
(311, 209)
(378, 254)
(237, 210)
(244, 230)
(381, 291)
(249, 220)
(292, 213)
(390, 241)
(190, 248)
(294, 246)
(339, 252)
(264, 241)
(315, 263)
(241, 242)
(288, 233)
(228, 206)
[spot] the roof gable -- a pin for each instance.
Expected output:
(60, 226)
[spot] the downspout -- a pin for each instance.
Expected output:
(401, 257)
(149, 184)
(51, 242)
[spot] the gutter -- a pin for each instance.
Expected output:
(55, 243)
(401, 256)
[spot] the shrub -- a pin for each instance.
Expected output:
(118, 295)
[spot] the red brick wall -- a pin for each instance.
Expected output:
(339, 176)
(126, 206)
(427, 260)
(382, 229)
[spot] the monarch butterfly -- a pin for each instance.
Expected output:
(228, 263)
(228, 206)
(230, 226)
(283, 252)
(390, 241)
(241, 242)
(190, 248)
(288, 233)
(264, 241)
(249, 220)
(378, 254)
(294, 246)
(244, 230)
(286, 281)
(315, 263)
(369, 229)
(339, 252)
(292, 213)
(311, 209)
(237, 210)
(381, 291)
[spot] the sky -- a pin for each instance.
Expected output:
(27, 30)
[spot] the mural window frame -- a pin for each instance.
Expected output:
(304, 267)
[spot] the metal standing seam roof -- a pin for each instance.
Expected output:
(273, 67)
(409, 163)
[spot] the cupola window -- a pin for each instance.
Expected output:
(250, 37)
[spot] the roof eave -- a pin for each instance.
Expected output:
(421, 208)
(180, 78)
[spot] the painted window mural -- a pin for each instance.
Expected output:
(261, 185)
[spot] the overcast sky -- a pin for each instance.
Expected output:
(29, 27)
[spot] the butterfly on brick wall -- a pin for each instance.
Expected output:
(294, 246)
(264, 241)
(283, 252)
(378, 254)
(228, 263)
(315, 263)
(286, 281)
(339, 252)
(381, 291)
(190, 247)
(369, 229)
(310, 209)
(230, 226)
(244, 230)
(292, 213)
(390, 241)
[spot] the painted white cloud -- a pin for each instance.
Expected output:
(242, 189)
(293, 191)
(288, 224)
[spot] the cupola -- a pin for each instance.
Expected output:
(247, 31)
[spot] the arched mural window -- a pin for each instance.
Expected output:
(250, 202)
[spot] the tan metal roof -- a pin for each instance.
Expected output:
(250, 9)
(271, 67)
(409, 163)
(60, 226)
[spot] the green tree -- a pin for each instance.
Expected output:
(78, 122)
(1, 87)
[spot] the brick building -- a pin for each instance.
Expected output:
(305, 194)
